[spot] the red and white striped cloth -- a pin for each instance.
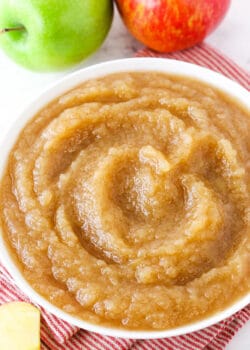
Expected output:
(59, 335)
(206, 56)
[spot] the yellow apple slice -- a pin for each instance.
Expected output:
(19, 326)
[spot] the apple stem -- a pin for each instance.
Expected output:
(6, 30)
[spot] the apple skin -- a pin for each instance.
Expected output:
(58, 33)
(171, 25)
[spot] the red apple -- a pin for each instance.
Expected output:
(171, 25)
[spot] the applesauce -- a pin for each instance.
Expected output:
(125, 202)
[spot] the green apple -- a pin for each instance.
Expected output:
(48, 35)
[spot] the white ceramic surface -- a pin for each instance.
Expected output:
(143, 64)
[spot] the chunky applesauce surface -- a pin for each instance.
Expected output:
(125, 201)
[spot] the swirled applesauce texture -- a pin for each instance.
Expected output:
(125, 202)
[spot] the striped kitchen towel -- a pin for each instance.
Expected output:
(57, 334)
(206, 56)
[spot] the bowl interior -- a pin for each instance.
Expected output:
(135, 64)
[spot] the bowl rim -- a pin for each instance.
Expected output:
(70, 81)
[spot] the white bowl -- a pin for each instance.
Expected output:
(72, 80)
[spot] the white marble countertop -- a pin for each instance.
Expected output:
(21, 86)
